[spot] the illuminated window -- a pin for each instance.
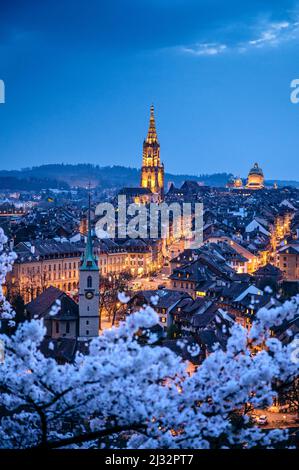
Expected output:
(200, 294)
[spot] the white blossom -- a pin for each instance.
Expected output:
(145, 390)
(55, 308)
(123, 298)
(268, 290)
(154, 299)
(6, 261)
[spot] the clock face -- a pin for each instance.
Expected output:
(89, 295)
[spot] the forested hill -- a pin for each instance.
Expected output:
(57, 175)
(108, 176)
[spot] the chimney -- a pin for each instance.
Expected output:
(32, 249)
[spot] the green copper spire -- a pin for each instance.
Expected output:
(89, 262)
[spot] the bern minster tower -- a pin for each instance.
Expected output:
(152, 171)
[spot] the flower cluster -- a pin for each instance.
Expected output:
(6, 262)
(138, 393)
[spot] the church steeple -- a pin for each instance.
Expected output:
(89, 290)
(89, 262)
(152, 171)
(152, 132)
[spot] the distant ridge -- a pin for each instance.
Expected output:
(108, 176)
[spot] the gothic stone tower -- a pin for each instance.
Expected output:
(88, 291)
(152, 170)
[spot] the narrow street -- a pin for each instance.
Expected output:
(278, 419)
(150, 282)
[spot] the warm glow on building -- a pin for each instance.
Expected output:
(255, 178)
(152, 171)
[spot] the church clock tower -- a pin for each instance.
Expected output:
(152, 170)
(89, 278)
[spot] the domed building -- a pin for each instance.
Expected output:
(238, 183)
(255, 178)
(234, 183)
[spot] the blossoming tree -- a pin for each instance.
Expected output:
(140, 394)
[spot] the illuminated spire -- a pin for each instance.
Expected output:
(89, 262)
(152, 133)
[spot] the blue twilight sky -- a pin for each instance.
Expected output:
(80, 77)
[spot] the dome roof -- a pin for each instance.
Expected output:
(238, 183)
(256, 170)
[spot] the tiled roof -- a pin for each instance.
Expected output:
(202, 320)
(256, 302)
(183, 352)
(40, 307)
(235, 290)
(165, 297)
(290, 249)
(41, 249)
(267, 270)
(134, 191)
(64, 349)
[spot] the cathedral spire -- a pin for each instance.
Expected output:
(152, 132)
(89, 262)
(152, 170)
